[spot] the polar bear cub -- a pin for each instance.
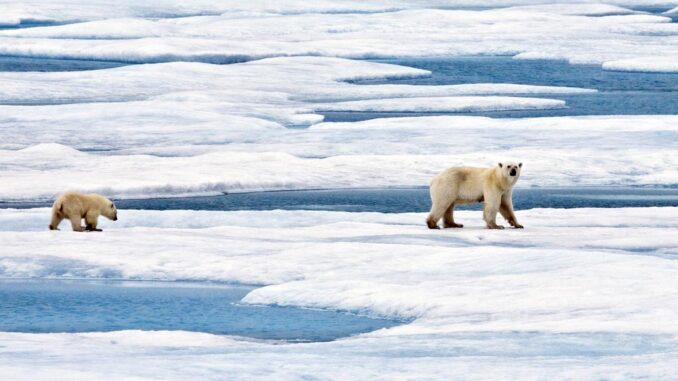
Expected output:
(76, 206)
(464, 185)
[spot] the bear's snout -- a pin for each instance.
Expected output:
(513, 172)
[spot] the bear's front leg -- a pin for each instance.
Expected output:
(91, 221)
(506, 210)
(490, 210)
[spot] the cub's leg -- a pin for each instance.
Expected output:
(76, 224)
(91, 221)
(448, 218)
(506, 210)
(490, 209)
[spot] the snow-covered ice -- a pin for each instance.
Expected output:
(605, 150)
(645, 64)
(580, 293)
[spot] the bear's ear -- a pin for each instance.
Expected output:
(520, 165)
(501, 165)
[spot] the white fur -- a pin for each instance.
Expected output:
(463, 185)
(76, 206)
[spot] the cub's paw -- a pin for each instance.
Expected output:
(432, 224)
(453, 225)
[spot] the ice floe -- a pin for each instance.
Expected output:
(600, 150)
(444, 104)
(645, 64)
(566, 297)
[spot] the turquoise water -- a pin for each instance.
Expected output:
(42, 306)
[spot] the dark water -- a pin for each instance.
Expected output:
(41, 306)
(410, 200)
(8, 63)
(30, 24)
(397, 200)
(619, 93)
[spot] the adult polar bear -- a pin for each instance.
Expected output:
(464, 185)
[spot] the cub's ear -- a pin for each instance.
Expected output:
(501, 165)
(520, 165)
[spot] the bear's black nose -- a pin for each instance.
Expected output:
(513, 172)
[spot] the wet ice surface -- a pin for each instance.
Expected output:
(50, 306)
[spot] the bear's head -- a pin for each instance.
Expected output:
(511, 170)
(110, 211)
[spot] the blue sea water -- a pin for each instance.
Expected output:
(42, 306)
(619, 93)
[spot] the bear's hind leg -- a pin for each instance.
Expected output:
(436, 214)
(448, 218)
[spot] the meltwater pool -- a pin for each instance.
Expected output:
(49, 306)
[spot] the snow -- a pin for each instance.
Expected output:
(645, 64)
(226, 33)
(550, 301)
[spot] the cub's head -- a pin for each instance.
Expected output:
(511, 169)
(110, 211)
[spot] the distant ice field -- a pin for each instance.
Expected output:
(615, 37)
